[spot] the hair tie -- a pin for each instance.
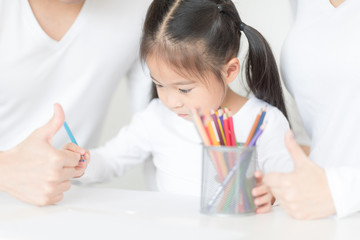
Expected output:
(219, 6)
(242, 26)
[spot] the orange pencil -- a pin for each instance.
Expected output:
(200, 127)
(252, 131)
(211, 130)
(208, 135)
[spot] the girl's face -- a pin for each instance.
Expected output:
(181, 94)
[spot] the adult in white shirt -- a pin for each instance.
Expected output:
(320, 63)
(73, 52)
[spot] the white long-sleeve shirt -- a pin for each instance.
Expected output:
(176, 147)
(321, 67)
(80, 72)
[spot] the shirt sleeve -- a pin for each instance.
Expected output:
(343, 183)
(131, 146)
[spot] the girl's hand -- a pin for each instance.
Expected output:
(263, 199)
(85, 155)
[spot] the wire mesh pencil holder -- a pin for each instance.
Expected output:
(227, 180)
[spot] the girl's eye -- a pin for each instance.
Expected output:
(158, 85)
(185, 90)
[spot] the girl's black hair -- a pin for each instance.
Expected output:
(200, 36)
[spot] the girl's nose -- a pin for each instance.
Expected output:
(174, 101)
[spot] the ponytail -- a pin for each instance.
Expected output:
(202, 36)
(262, 73)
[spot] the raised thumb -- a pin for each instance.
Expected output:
(49, 130)
(296, 153)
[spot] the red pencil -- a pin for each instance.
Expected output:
(226, 130)
(231, 127)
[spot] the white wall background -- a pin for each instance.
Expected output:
(272, 18)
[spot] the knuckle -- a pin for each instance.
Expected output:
(287, 183)
(57, 157)
(54, 175)
(48, 189)
(68, 146)
(289, 196)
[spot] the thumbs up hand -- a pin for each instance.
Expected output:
(34, 171)
(304, 193)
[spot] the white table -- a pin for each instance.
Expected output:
(93, 213)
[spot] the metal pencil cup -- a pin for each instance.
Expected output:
(227, 180)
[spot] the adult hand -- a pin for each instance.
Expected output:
(304, 193)
(34, 171)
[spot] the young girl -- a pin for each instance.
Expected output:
(191, 48)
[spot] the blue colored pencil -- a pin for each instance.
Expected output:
(263, 114)
(71, 136)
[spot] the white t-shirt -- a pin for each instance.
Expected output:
(176, 147)
(80, 72)
(320, 63)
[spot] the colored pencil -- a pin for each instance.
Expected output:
(232, 131)
(261, 119)
(211, 130)
(200, 127)
(253, 128)
(220, 114)
(71, 136)
(257, 135)
(217, 127)
(204, 133)
(231, 173)
(221, 129)
(226, 130)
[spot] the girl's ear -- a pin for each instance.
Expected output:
(232, 69)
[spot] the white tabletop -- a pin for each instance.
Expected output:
(93, 213)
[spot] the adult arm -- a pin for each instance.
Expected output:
(344, 184)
